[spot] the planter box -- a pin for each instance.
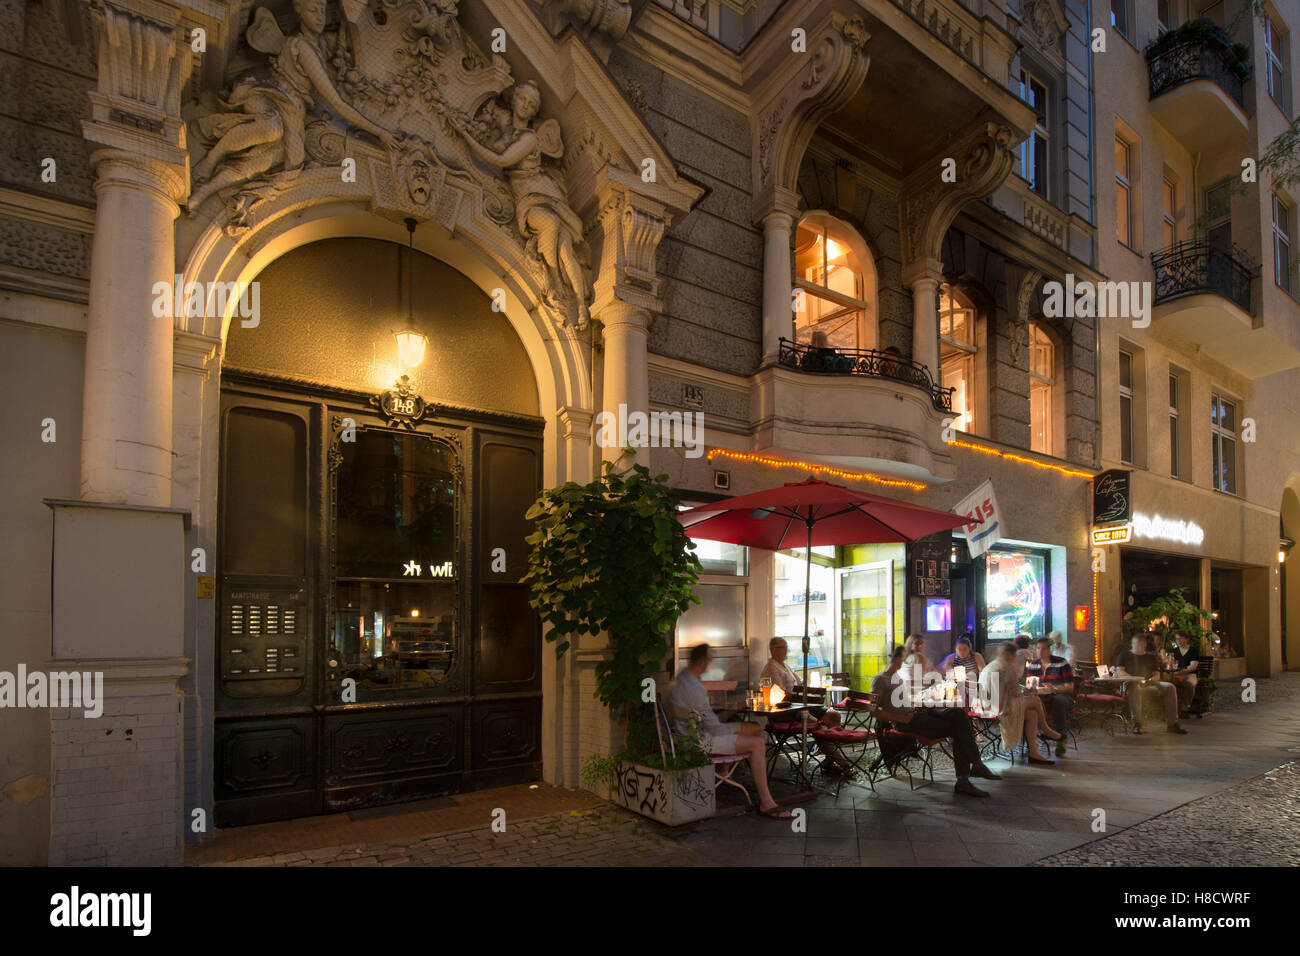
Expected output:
(1229, 668)
(672, 797)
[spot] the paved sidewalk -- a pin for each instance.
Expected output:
(1150, 787)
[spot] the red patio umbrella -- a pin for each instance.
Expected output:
(809, 513)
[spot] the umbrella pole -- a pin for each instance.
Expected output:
(807, 604)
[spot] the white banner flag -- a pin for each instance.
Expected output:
(984, 520)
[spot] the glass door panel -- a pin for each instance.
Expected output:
(866, 620)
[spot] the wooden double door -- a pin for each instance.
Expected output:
(373, 642)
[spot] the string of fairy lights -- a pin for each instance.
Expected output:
(916, 486)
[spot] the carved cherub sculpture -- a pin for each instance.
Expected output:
(266, 126)
(542, 209)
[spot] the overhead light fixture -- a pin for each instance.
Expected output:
(411, 342)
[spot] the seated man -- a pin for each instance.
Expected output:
(1186, 664)
(689, 702)
(1060, 648)
(890, 691)
(1139, 663)
(1055, 687)
(778, 672)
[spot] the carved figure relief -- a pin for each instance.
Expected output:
(403, 73)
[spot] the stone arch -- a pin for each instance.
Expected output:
(560, 356)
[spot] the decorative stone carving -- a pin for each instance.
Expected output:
(602, 22)
(404, 73)
(984, 159)
(631, 227)
(790, 113)
(1018, 322)
(1045, 23)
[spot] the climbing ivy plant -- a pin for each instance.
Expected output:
(610, 556)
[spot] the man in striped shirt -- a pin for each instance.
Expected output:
(1055, 687)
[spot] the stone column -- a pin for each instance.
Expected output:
(782, 210)
(126, 442)
(121, 570)
(627, 383)
(924, 278)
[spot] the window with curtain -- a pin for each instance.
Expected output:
(835, 284)
(957, 354)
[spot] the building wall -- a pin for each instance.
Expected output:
(1239, 530)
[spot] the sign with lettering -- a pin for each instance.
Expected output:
(984, 520)
(1112, 498)
(1115, 534)
(400, 405)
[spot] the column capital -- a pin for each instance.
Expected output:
(625, 316)
(631, 226)
(778, 205)
(923, 270)
(145, 61)
(574, 422)
(118, 167)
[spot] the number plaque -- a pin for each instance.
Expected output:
(400, 405)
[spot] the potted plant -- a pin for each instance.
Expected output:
(610, 556)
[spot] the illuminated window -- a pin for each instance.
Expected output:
(1042, 383)
(838, 280)
(957, 351)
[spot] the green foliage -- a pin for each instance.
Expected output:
(610, 556)
(600, 770)
(1167, 615)
(1204, 30)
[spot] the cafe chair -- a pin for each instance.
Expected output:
(855, 745)
(1099, 702)
(855, 710)
(898, 750)
(724, 765)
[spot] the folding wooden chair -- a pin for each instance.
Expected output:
(724, 765)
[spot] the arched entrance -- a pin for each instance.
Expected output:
(373, 644)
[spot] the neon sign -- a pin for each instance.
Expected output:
(1168, 529)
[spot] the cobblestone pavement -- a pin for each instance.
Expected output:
(1256, 823)
(1233, 777)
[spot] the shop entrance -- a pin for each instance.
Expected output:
(866, 599)
(374, 645)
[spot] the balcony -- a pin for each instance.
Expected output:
(1195, 267)
(859, 409)
(1203, 295)
(869, 362)
(1196, 76)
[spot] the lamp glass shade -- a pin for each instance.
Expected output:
(410, 347)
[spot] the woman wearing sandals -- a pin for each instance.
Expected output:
(689, 699)
(1001, 691)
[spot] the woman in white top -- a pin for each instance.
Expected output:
(1017, 714)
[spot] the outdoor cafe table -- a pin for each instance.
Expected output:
(781, 713)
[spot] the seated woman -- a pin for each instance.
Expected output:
(1000, 693)
(690, 701)
(964, 655)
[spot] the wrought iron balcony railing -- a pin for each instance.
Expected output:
(1195, 266)
(1203, 55)
(869, 362)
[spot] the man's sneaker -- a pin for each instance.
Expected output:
(982, 771)
(1060, 747)
(1177, 728)
(965, 786)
